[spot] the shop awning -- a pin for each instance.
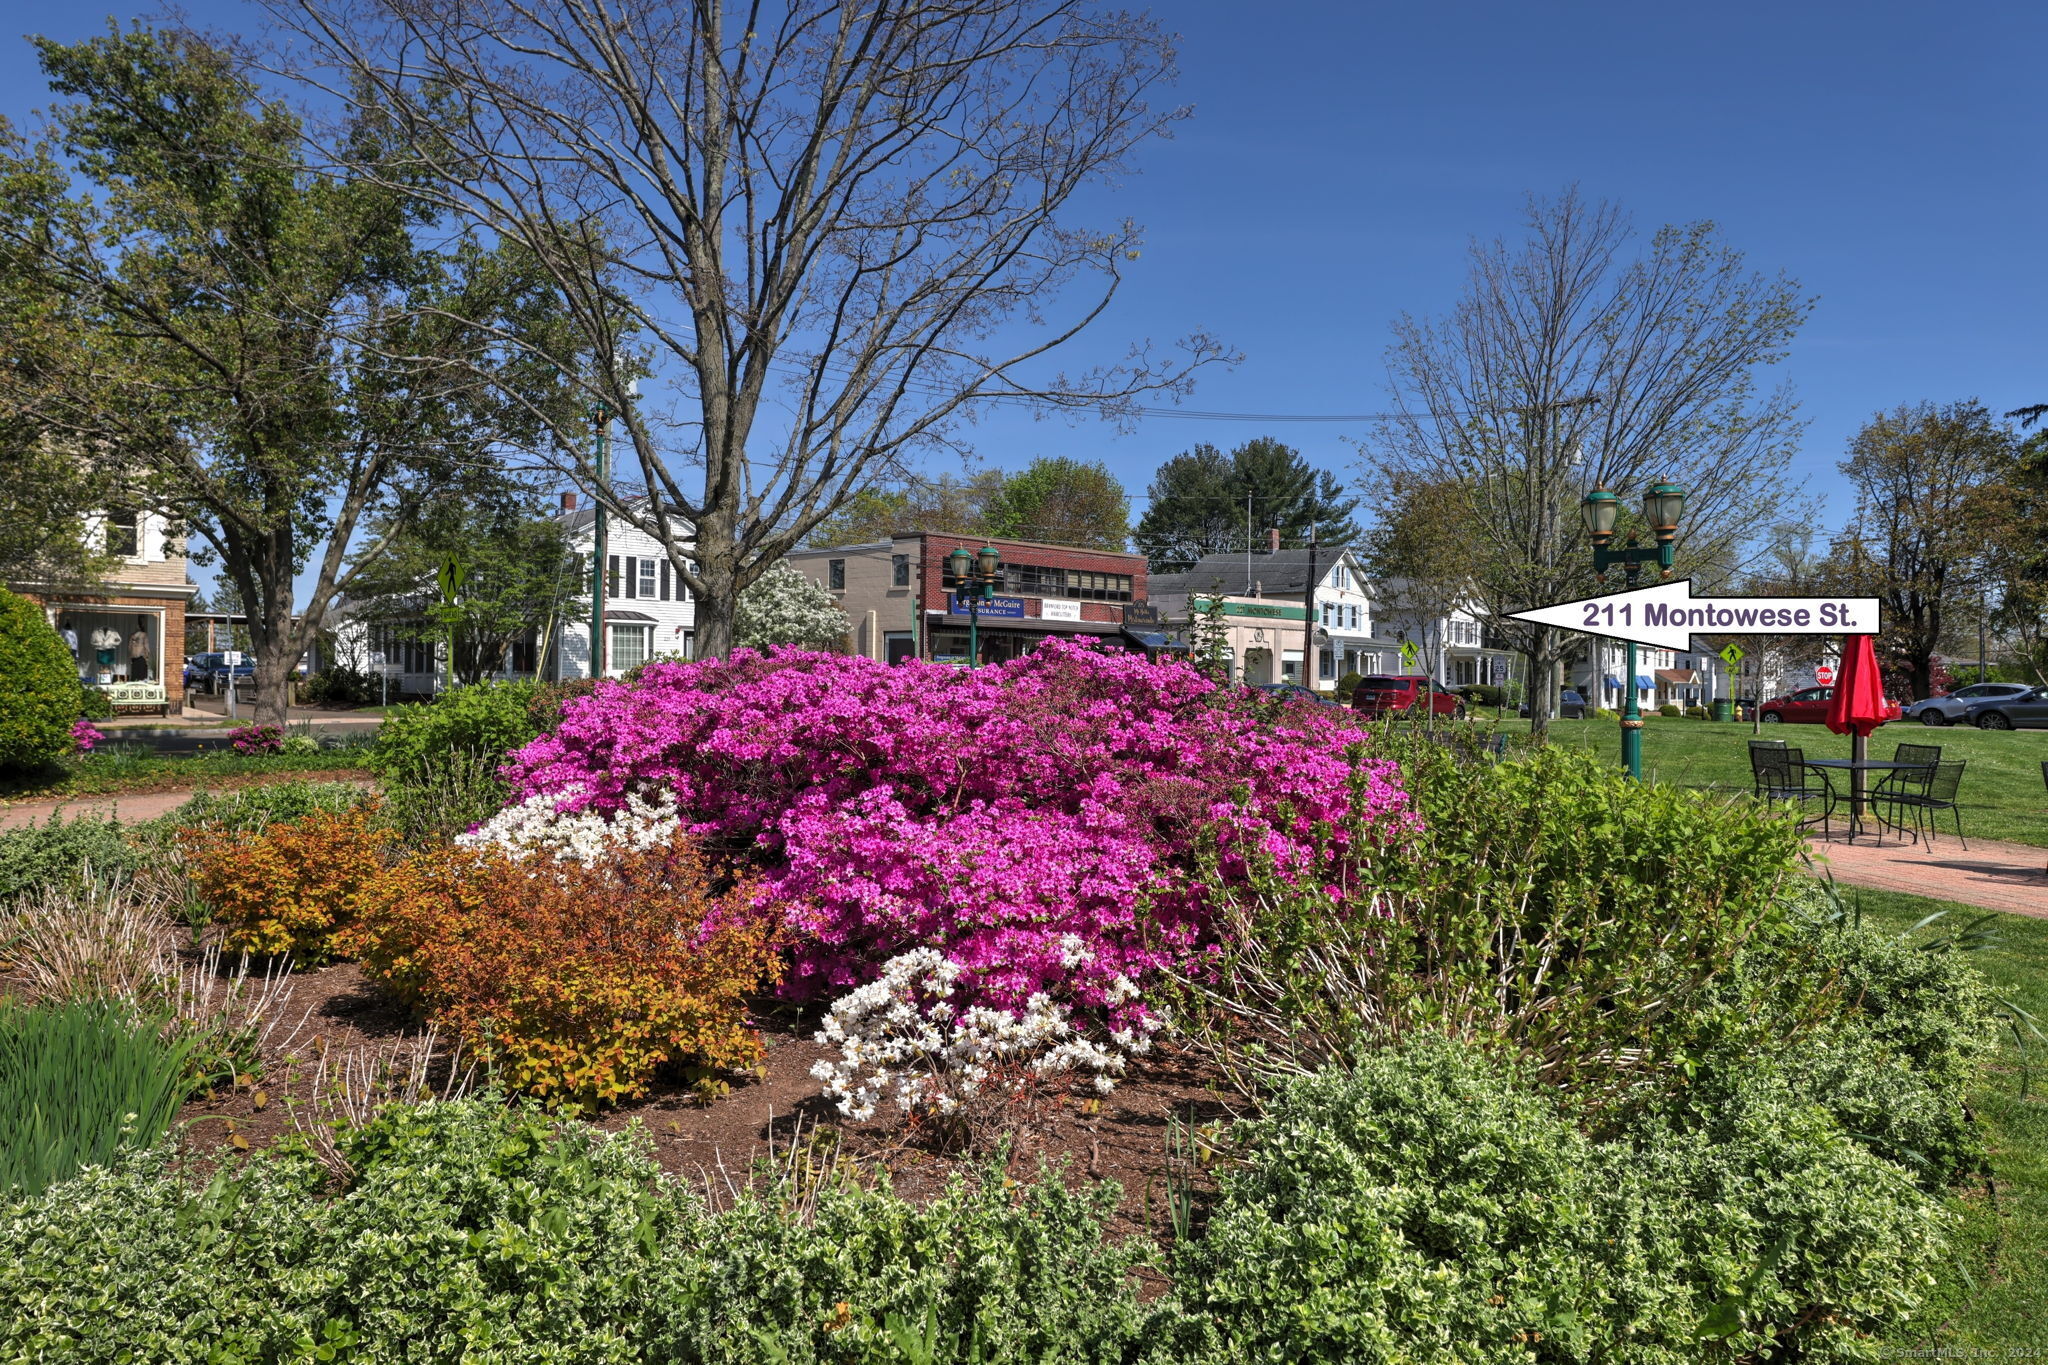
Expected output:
(1613, 682)
(1678, 675)
(613, 617)
(1152, 639)
(1036, 625)
(1644, 680)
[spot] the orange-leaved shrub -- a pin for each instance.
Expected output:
(291, 887)
(574, 982)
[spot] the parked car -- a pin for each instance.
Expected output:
(1570, 706)
(2027, 711)
(1385, 694)
(1807, 706)
(210, 671)
(1949, 708)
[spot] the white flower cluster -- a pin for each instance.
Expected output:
(903, 1036)
(538, 825)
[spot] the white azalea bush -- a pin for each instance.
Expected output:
(539, 825)
(959, 1073)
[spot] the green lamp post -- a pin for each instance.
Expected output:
(1662, 506)
(972, 578)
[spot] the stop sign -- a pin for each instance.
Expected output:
(1824, 675)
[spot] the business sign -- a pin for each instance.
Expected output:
(995, 606)
(1137, 614)
(1053, 609)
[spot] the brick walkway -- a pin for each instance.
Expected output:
(133, 807)
(1993, 875)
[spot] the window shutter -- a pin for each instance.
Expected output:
(611, 576)
(664, 580)
(632, 576)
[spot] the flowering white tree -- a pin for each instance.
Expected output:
(782, 607)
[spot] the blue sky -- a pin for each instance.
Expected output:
(1889, 156)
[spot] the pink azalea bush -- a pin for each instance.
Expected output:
(996, 815)
(258, 739)
(84, 734)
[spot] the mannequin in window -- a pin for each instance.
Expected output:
(69, 633)
(138, 651)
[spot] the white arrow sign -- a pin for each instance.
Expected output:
(1667, 615)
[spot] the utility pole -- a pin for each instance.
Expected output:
(1308, 642)
(598, 556)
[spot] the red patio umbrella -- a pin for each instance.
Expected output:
(1858, 707)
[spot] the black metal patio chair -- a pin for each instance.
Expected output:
(1779, 773)
(1926, 803)
(1913, 782)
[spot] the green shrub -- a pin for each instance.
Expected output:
(1669, 709)
(93, 704)
(79, 1082)
(1484, 694)
(1347, 685)
(1432, 1205)
(1696, 712)
(1601, 713)
(1547, 901)
(439, 759)
(471, 1232)
(340, 685)
(39, 688)
(59, 853)
(250, 809)
(487, 720)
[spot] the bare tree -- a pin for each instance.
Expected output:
(1566, 366)
(832, 230)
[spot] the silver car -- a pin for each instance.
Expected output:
(2027, 711)
(1949, 709)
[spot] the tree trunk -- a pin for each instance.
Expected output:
(1542, 657)
(716, 605)
(275, 658)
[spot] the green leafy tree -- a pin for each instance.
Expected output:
(782, 607)
(1205, 502)
(227, 320)
(1063, 502)
(1931, 493)
(514, 577)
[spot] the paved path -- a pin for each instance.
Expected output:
(1994, 875)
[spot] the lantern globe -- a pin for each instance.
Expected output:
(990, 557)
(1602, 510)
(1662, 507)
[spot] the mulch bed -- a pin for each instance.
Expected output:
(715, 1145)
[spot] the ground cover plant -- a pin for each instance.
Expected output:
(112, 769)
(2001, 793)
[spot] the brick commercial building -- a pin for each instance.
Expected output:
(894, 594)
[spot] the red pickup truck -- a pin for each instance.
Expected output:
(1390, 695)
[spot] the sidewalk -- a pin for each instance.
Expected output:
(1993, 875)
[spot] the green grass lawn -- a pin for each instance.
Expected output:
(1993, 1293)
(133, 768)
(2002, 793)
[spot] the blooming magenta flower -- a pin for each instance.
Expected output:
(994, 814)
(85, 734)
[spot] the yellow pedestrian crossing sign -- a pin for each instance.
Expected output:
(1731, 655)
(1409, 654)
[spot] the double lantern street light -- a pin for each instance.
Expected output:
(1662, 506)
(972, 578)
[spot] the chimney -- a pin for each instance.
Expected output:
(1272, 540)
(568, 502)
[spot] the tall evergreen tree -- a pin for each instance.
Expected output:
(1206, 502)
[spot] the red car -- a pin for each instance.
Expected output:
(1809, 705)
(1386, 695)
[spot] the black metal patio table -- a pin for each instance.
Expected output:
(1856, 767)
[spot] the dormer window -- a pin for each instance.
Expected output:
(124, 534)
